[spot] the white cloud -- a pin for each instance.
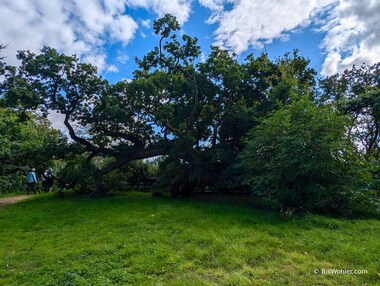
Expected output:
(255, 23)
(57, 121)
(179, 8)
(72, 26)
(145, 23)
(203, 57)
(122, 58)
(214, 5)
(352, 30)
(112, 68)
(352, 35)
(96, 59)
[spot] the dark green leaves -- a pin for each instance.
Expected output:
(301, 157)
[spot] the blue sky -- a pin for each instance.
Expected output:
(334, 34)
(307, 41)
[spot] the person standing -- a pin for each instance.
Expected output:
(32, 181)
(43, 181)
(49, 177)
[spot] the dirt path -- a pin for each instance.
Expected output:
(12, 200)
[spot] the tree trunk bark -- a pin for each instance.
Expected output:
(175, 187)
(101, 190)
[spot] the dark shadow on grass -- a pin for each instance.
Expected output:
(220, 204)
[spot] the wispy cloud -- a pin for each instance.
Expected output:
(122, 58)
(179, 8)
(145, 23)
(112, 68)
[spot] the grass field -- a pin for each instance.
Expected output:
(134, 239)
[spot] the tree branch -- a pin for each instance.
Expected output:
(143, 153)
(76, 138)
(135, 140)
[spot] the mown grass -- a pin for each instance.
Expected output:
(134, 239)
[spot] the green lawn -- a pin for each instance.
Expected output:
(134, 239)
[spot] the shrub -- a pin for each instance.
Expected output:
(301, 157)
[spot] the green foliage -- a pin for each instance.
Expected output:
(2, 64)
(24, 144)
(357, 92)
(77, 173)
(173, 106)
(172, 55)
(300, 157)
(111, 121)
(131, 177)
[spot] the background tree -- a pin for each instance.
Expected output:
(357, 92)
(100, 118)
(25, 144)
(2, 64)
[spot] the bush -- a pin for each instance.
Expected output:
(122, 179)
(77, 173)
(13, 180)
(300, 157)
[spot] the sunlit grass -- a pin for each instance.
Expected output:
(134, 239)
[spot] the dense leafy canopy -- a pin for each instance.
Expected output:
(258, 125)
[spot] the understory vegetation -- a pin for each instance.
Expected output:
(134, 239)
